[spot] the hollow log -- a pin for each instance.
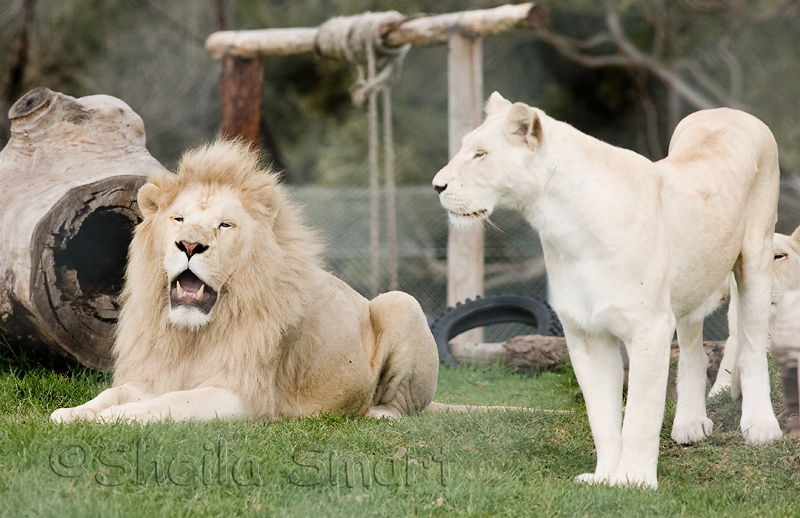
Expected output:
(68, 177)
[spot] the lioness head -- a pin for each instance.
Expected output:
(479, 177)
(209, 223)
(787, 263)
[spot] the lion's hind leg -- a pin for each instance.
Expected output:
(405, 356)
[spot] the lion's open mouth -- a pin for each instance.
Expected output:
(478, 214)
(188, 290)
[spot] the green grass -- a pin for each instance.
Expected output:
(499, 463)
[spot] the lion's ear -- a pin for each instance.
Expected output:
(148, 199)
(271, 199)
(796, 234)
(496, 103)
(523, 125)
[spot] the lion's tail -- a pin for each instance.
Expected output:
(434, 406)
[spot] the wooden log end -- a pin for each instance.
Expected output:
(30, 102)
(538, 17)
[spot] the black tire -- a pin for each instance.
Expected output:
(495, 309)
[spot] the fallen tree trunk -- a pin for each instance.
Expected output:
(69, 177)
(548, 353)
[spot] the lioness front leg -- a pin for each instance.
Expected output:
(647, 391)
(88, 411)
(201, 404)
(598, 367)
(407, 359)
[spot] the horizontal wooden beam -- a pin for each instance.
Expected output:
(416, 30)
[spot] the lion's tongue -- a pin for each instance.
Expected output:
(190, 282)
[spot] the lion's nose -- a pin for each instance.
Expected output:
(440, 188)
(190, 249)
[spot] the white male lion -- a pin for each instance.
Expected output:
(632, 247)
(786, 276)
(227, 313)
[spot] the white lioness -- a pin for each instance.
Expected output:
(786, 276)
(227, 313)
(632, 247)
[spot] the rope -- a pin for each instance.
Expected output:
(358, 40)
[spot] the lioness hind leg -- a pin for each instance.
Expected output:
(691, 422)
(405, 356)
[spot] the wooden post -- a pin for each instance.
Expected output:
(465, 99)
(240, 88)
(463, 32)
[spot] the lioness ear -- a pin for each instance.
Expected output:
(796, 234)
(271, 199)
(523, 125)
(148, 197)
(496, 103)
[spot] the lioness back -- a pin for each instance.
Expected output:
(718, 161)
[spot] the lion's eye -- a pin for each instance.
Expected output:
(177, 219)
(780, 256)
(225, 224)
(479, 154)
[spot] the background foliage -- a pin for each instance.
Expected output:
(150, 54)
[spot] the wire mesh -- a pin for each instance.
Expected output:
(512, 251)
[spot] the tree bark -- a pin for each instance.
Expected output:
(17, 70)
(69, 178)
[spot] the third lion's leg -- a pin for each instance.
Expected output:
(406, 356)
(728, 373)
(691, 422)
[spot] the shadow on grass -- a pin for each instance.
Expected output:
(19, 362)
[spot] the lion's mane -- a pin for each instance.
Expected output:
(264, 299)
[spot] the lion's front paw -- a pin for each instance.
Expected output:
(691, 431)
(68, 415)
(762, 431)
(131, 413)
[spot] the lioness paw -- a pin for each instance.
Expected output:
(68, 415)
(634, 478)
(692, 431)
(591, 478)
(764, 431)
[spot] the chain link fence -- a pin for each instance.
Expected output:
(512, 251)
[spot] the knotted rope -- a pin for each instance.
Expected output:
(358, 40)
